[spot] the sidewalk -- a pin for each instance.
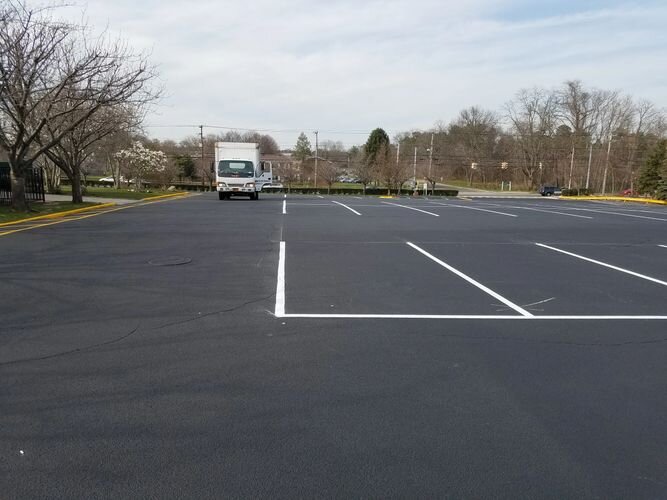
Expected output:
(91, 199)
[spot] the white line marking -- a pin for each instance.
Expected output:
(285, 196)
(284, 207)
(357, 197)
(473, 208)
(632, 273)
(470, 316)
(411, 208)
(663, 246)
(547, 211)
(350, 209)
(321, 197)
(280, 287)
(493, 294)
(617, 213)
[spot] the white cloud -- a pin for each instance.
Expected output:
(352, 65)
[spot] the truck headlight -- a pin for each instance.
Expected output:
(250, 184)
(222, 184)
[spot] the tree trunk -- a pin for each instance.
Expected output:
(19, 201)
(75, 179)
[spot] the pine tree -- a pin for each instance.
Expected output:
(661, 194)
(650, 175)
(375, 142)
(302, 150)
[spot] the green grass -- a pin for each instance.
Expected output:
(490, 186)
(7, 214)
(124, 193)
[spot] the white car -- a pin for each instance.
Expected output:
(111, 179)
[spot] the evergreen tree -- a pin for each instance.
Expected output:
(661, 194)
(376, 140)
(302, 150)
(651, 173)
(186, 166)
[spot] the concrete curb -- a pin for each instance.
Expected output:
(57, 215)
(615, 198)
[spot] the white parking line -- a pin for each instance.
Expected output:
(473, 208)
(411, 208)
(284, 207)
(280, 286)
(617, 213)
(616, 268)
(546, 211)
(321, 197)
(493, 294)
(350, 209)
(473, 316)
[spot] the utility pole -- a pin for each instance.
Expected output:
(569, 182)
(606, 167)
(398, 152)
(414, 170)
(203, 167)
(430, 159)
(590, 160)
(317, 153)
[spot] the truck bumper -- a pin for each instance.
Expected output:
(236, 190)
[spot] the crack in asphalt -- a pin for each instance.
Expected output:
(213, 313)
(127, 335)
(72, 351)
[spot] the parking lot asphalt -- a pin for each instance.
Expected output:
(308, 346)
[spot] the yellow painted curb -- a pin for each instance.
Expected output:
(615, 198)
(174, 195)
(57, 215)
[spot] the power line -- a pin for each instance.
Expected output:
(286, 131)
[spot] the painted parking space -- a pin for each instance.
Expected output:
(510, 251)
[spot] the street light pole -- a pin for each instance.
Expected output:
(317, 153)
(590, 159)
(414, 171)
(606, 167)
(203, 167)
(430, 159)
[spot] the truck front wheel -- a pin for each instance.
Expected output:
(221, 195)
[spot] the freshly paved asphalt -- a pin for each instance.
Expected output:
(123, 377)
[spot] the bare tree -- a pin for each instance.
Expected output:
(329, 173)
(76, 146)
(533, 120)
(474, 134)
(55, 74)
(364, 170)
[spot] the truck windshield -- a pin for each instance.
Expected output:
(235, 168)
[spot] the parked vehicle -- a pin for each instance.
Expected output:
(550, 190)
(239, 171)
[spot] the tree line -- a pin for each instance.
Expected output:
(571, 136)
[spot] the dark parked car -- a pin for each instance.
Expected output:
(549, 190)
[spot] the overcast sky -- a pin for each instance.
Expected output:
(345, 67)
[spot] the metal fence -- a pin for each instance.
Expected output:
(34, 184)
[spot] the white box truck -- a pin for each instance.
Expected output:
(239, 170)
